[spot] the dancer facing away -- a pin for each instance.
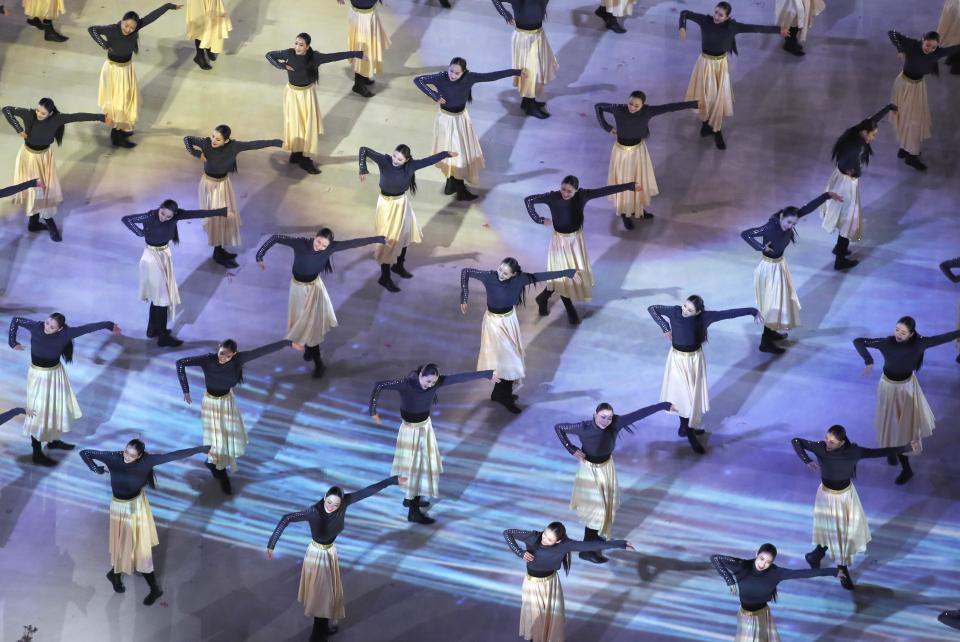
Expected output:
(453, 129)
(501, 346)
(50, 401)
(629, 158)
(568, 249)
(949, 30)
(531, 52)
(797, 17)
(851, 153)
(417, 457)
(903, 414)
(321, 591)
(208, 25)
(302, 120)
(596, 492)
(42, 125)
(545, 552)
(223, 427)
(776, 297)
(20, 187)
(158, 283)
(839, 524)
(395, 218)
(133, 532)
(41, 14)
(119, 95)
(366, 34)
(310, 313)
(912, 119)
(710, 81)
(219, 155)
(756, 580)
(685, 376)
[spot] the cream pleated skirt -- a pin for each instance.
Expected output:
(685, 385)
(417, 457)
(596, 496)
(776, 297)
(43, 9)
(541, 609)
(223, 430)
(31, 164)
(569, 252)
(501, 346)
(756, 626)
(310, 313)
(51, 398)
(321, 591)
(158, 283)
(133, 535)
(710, 84)
(208, 22)
(912, 118)
(119, 95)
(398, 224)
(632, 163)
(302, 121)
(619, 8)
(215, 193)
(531, 51)
(798, 13)
(844, 218)
(840, 524)
(949, 25)
(366, 34)
(454, 133)
(903, 413)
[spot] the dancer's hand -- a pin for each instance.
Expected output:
(297, 346)
(673, 408)
(376, 419)
(785, 32)
(733, 588)
(524, 74)
(463, 310)
(31, 412)
(107, 120)
(637, 187)
(203, 158)
(18, 346)
(402, 481)
(288, 67)
(683, 35)
(768, 248)
(441, 100)
(177, 7)
(835, 196)
(841, 575)
(812, 465)
(547, 221)
(915, 446)
(40, 184)
(577, 278)
(513, 23)
(453, 154)
(116, 330)
(630, 546)
(528, 557)
(364, 56)
(700, 105)
(270, 550)
(613, 132)
(23, 134)
(340, 1)
(207, 448)
(495, 379)
(186, 397)
(867, 370)
(363, 177)
(894, 108)
(668, 335)
(261, 265)
(758, 318)
(579, 454)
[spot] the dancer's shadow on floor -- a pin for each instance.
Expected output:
(16, 494)
(196, 291)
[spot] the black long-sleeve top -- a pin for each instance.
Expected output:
(120, 48)
(364, 5)
(917, 64)
(548, 559)
(416, 402)
(16, 189)
(838, 467)
(127, 480)
(307, 263)
(635, 127)
(599, 443)
(855, 153)
(670, 319)
(222, 160)
(773, 235)
(456, 93)
(218, 377)
(300, 75)
(720, 39)
(10, 414)
(394, 181)
(503, 296)
(42, 133)
(756, 588)
(901, 358)
(159, 233)
(947, 268)
(567, 214)
(527, 14)
(46, 349)
(324, 526)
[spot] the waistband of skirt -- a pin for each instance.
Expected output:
(500, 314)
(454, 113)
(325, 547)
(771, 259)
(217, 179)
(896, 382)
(416, 424)
(597, 464)
(686, 353)
(577, 233)
(53, 367)
(704, 54)
(290, 85)
(836, 492)
(303, 282)
(534, 30)
(159, 248)
(126, 501)
(34, 150)
(627, 147)
(212, 395)
(391, 197)
(370, 10)
(909, 79)
(757, 613)
(534, 578)
(120, 63)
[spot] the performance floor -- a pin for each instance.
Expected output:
(457, 580)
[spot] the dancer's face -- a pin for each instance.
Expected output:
(128, 26)
(567, 191)
(165, 214)
(548, 537)
(504, 273)
(868, 136)
(832, 442)
(787, 223)
(688, 309)
(634, 105)
(902, 333)
(320, 243)
(42, 112)
(331, 503)
(929, 46)
(428, 381)
(300, 46)
(50, 326)
(130, 455)
(217, 139)
(399, 160)
(763, 561)
(224, 355)
(454, 72)
(719, 15)
(603, 419)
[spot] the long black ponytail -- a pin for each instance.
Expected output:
(313, 69)
(62, 322)
(51, 107)
(405, 150)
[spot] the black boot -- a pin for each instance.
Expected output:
(647, 214)
(596, 557)
(841, 250)
(53, 230)
(319, 631)
(913, 160)
(220, 257)
(115, 137)
(451, 186)
(463, 194)
(201, 57)
(155, 590)
(778, 336)
(684, 427)
(542, 299)
(951, 618)
(51, 34)
(907, 471)
(296, 157)
(815, 556)
(718, 140)
(767, 342)
(308, 352)
(531, 108)
(398, 268)
(627, 221)
(612, 24)
(705, 129)
(694, 442)
(165, 340)
(36, 22)
(38, 455)
(34, 224)
(792, 44)
(152, 331)
(123, 139)
(210, 55)
(117, 581)
(506, 398)
(445, 4)
(847, 582)
(415, 515)
(385, 280)
(407, 503)
(360, 86)
(892, 460)
(222, 477)
(572, 315)
(59, 445)
(307, 165)
(318, 367)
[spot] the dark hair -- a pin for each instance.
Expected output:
(932, 35)
(514, 266)
(746, 566)
(561, 533)
(457, 60)
(67, 349)
(141, 449)
(639, 94)
(571, 180)
(851, 135)
(838, 432)
(700, 328)
(51, 107)
(172, 205)
(224, 131)
(911, 325)
(313, 69)
(405, 150)
(231, 345)
(428, 370)
(726, 7)
(327, 233)
(790, 210)
(603, 406)
(133, 15)
(336, 491)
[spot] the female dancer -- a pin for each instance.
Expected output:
(851, 153)
(839, 523)
(453, 129)
(219, 155)
(797, 17)
(531, 52)
(302, 120)
(776, 297)
(25, 185)
(223, 428)
(903, 414)
(912, 119)
(685, 377)
(417, 457)
(133, 532)
(310, 314)
(50, 399)
(208, 25)
(321, 592)
(41, 14)
(41, 127)
(541, 605)
(949, 30)
(119, 96)
(757, 580)
(158, 283)
(596, 493)
(395, 218)
(629, 158)
(568, 250)
(366, 34)
(710, 81)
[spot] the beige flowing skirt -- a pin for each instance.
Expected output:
(798, 13)
(158, 283)
(501, 346)
(366, 34)
(844, 218)
(710, 84)
(454, 132)
(596, 496)
(949, 25)
(417, 458)
(840, 524)
(757, 626)
(43, 9)
(569, 252)
(903, 413)
(912, 118)
(208, 22)
(619, 8)
(31, 164)
(133, 535)
(119, 95)
(214, 194)
(321, 591)
(310, 313)
(302, 120)
(51, 397)
(541, 609)
(632, 164)
(776, 297)
(398, 224)
(531, 51)
(223, 430)
(685, 385)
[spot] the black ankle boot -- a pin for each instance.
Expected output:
(117, 581)
(51, 34)
(627, 221)
(684, 427)
(155, 590)
(53, 230)
(398, 268)
(122, 139)
(847, 581)
(318, 367)
(695, 442)
(221, 476)
(506, 398)
(718, 140)
(220, 257)
(841, 250)
(612, 24)
(407, 503)
(415, 515)
(595, 557)
(210, 55)
(307, 165)
(201, 57)
(451, 186)
(463, 194)
(152, 331)
(913, 160)
(767, 342)
(57, 444)
(296, 157)
(39, 457)
(572, 317)
(34, 224)
(542, 299)
(35, 22)
(705, 129)
(385, 280)
(531, 108)
(815, 556)
(166, 339)
(360, 87)
(892, 460)
(907, 471)
(792, 43)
